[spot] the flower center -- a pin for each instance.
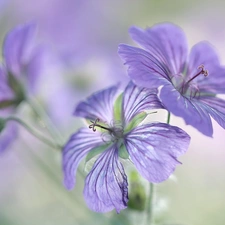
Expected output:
(187, 88)
(113, 133)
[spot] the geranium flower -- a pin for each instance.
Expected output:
(189, 84)
(22, 63)
(116, 132)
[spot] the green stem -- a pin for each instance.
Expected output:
(168, 118)
(150, 217)
(32, 131)
(44, 118)
(53, 131)
(150, 220)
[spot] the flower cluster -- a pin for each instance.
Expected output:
(18, 74)
(163, 76)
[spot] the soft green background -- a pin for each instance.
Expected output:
(31, 190)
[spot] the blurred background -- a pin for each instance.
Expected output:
(82, 39)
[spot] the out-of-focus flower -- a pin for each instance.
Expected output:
(115, 132)
(189, 85)
(18, 74)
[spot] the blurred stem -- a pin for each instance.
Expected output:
(150, 205)
(53, 131)
(44, 118)
(150, 217)
(32, 131)
(58, 190)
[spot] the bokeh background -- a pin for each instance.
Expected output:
(82, 39)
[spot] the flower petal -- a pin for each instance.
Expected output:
(204, 54)
(99, 105)
(154, 148)
(74, 151)
(190, 110)
(167, 42)
(106, 185)
(144, 68)
(137, 99)
(18, 47)
(215, 107)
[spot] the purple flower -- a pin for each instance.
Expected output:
(19, 70)
(116, 132)
(189, 84)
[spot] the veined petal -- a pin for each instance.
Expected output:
(143, 67)
(167, 42)
(190, 110)
(106, 185)
(74, 151)
(18, 47)
(154, 148)
(203, 53)
(99, 105)
(215, 107)
(137, 99)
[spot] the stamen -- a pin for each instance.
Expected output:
(203, 71)
(95, 124)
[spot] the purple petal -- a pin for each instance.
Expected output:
(204, 54)
(106, 185)
(215, 107)
(99, 105)
(190, 110)
(40, 62)
(154, 148)
(18, 47)
(8, 135)
(144, 68)
(76, 148)
(137, 99)
(167, 42)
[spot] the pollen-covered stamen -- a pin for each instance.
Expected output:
(202, 71)
(95, 124)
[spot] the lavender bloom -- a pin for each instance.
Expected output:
(115, 132)
(189, 84)
(22, 63)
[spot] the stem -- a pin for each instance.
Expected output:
(168, 118)
(150, 220)
(53, 131)
(43, 116)
(32, 131)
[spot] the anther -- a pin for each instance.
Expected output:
(203, 71)
(95, 124)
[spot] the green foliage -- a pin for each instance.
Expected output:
(135, 121)
(137, 195)
(118, 108)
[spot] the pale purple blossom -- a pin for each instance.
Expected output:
(116, 131)
(189, 84)
(21, 66)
